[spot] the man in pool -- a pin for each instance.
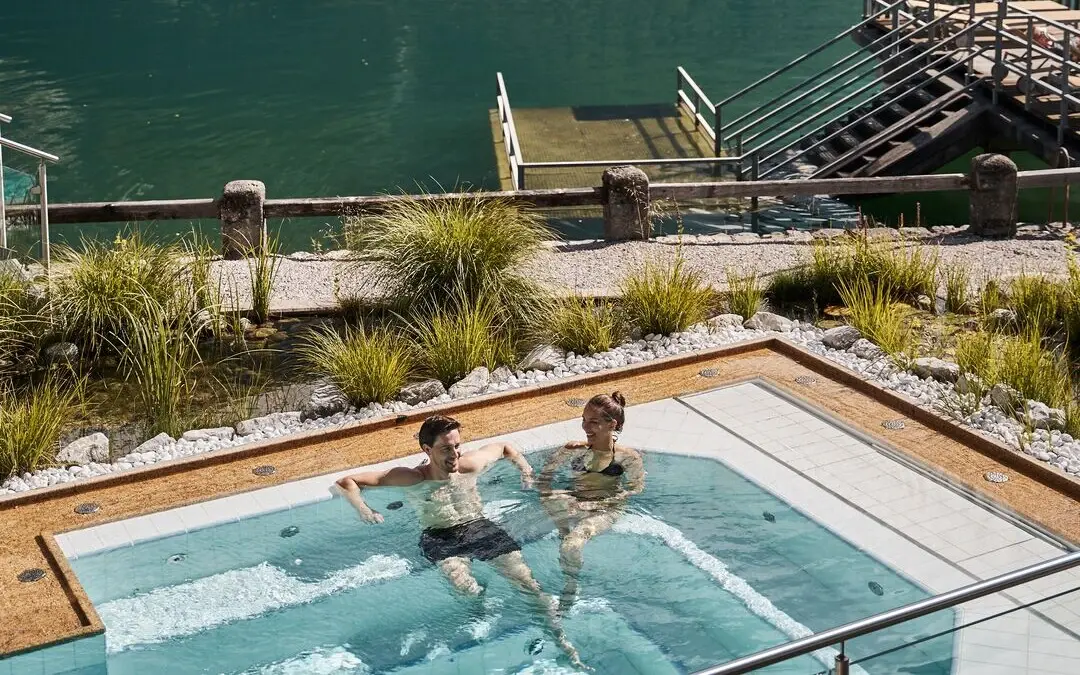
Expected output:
(455, 532)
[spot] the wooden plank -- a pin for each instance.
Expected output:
(809, 188)
(122, 212)
(339, 206)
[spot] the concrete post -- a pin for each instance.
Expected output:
(992, 196)
(243, 226)
(626, 203)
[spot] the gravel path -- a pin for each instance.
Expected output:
(307, 281)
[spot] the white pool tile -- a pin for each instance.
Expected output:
(112, 535)
(141, 529)
(196, 516)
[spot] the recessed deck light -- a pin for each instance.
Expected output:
(894, 425)
(575, 402)
(32, 574)
(995, 477)
(264, 470)
(710, 372)
(806, 380)
(86, 508)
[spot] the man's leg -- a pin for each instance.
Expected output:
(460, 575)
(512, 566)
(570, 556)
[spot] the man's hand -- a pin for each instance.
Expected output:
(527, 480)
(371, 516)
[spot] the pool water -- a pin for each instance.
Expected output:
(704, 568)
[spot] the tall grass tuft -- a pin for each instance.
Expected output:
(792, 287)
(666, 298)
(1039, 302)
(22, 318)
(263, 263)
(160, 353)
(200, 254)
(745, 295)
(585, 327)
(876, 317)
(1021, 361)
(1072, 309)
(423, 251)
(992, 296)
(957, 281)
(453, 339)
(907, 271)
(107, 288)
(31, 421)
(366, 364)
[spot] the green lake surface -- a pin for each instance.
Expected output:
(158, 99)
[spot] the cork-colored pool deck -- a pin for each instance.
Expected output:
(914, 495)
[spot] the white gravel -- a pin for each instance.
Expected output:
(310, 281)
(1056, 448)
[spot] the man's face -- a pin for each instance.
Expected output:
(445, 452)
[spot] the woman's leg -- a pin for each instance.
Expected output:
(570, 556)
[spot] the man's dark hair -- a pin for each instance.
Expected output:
(436, 426)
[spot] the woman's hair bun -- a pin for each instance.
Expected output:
(618, 398)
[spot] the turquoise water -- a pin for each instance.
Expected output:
(696, 574)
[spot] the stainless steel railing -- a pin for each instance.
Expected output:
(42, 187)
(915, 610)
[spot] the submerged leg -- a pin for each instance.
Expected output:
(570, 556)
(512, 566)
(457, 570)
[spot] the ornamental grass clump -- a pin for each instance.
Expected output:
(666, 298)
(32, 418)
(745, 296)
(106, 288)
(873, 312)
(582, 326)
(454, 338)
(957, 281)
(422, 251)
(23, 319)
(367, 364)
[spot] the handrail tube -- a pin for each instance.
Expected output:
(1041, 51)
(935, 108)
(701, 121)
(853, 80)
(5, 118)
(815, 51)
(893, 617)
(26, 149)
(1046, 86)
(1056, 24)
(809, 106)
(513, 129)
(855, 93)
(685, 77)
(644, 162)
(830, 121)
(812, 78)
(887, 36)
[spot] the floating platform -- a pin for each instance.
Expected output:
(620, 133)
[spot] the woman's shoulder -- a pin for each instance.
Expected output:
(624, 452)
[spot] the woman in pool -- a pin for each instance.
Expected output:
(603, 476)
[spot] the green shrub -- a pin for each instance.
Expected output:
(907, 271)
(31, 421)
(160, 354)
(422, 252)
(454, 339)
(957, 281)
(1072, 309)
(366, 364)
(665, 299)
(745, 295)
(582, 326)
(106, 287)
(876, 317)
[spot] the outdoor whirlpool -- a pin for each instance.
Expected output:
(740, 541)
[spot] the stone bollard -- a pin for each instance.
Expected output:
(243, 226)
(992, 196)
(626, 203)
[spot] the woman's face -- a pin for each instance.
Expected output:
(596, 426)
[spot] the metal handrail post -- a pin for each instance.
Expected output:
(1030, 56)
(932, 31)
(971, 10)
(44, 187)
(718, 148)
(1002, 7)
(1063, 122)
(754, 199)
(3, 203)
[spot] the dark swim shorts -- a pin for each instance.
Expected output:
(478, 539)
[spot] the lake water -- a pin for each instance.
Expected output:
(156, 99)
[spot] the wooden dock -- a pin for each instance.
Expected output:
(617, 133)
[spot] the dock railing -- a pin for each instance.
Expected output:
(509, 135)
(41, 189)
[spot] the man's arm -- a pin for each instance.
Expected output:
(480, 459)
(352, 485)
(635, 474)
(557, 459)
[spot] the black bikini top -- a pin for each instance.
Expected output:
(613, 469)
